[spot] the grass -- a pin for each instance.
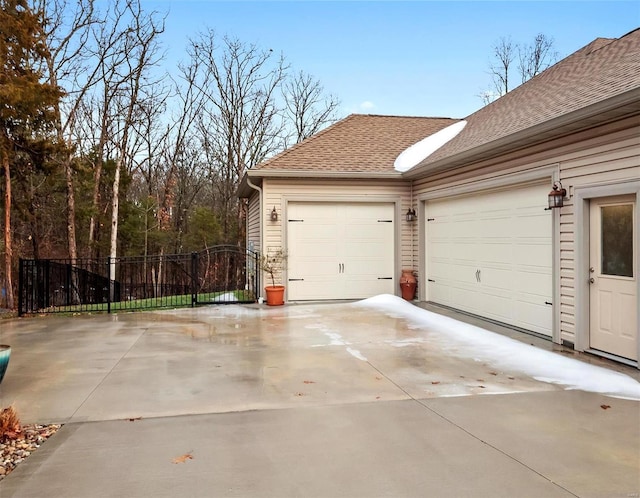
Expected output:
(177, 301)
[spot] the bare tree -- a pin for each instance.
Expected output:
(503, 53)
(139, 53)
(535, 58)
(532, 59)
(307, 106)
(241, 122)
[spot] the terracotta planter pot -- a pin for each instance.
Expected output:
(408, 284)
(5, 354)
(275, 295)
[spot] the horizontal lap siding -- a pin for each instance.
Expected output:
(615, 159)
(253, 222)
(277, 191)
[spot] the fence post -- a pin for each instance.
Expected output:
(194, 279)
(110, 284)
(20, 285)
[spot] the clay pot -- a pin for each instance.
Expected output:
(408, 284)
(275, 295)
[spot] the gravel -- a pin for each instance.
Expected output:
(14, 451)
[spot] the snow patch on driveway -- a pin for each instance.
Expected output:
(469, 341)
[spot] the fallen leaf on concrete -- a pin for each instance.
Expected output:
(182, 458)
(299, 394)
(309, 382)
(434, 382)
(134, 419)
(377, 397)
(511, 378)
(605, 407)
(378, 378)
(482, 387)
(493, 373)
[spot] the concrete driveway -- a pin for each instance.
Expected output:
(304, 400)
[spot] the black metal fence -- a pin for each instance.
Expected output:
(217, 275)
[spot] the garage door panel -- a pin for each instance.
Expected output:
(536, 254)
(454, 251)
(533, 316)
(491, 255)
(340, 250)
(461, 293)
(453, 272)
(497, 251)
(314, 250)
(311, 268)
(532, 224)
(534, 283)
(496, 278)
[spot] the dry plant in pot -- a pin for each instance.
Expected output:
(273, 264)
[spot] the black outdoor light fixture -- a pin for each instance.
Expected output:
(411, 215)
(557, 195)
(274, 214)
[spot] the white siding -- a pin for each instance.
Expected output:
(253, 222)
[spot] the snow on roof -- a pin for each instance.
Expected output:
(419, 151)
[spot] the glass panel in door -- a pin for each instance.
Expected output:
(617, 240)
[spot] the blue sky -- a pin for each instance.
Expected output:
(418, 58)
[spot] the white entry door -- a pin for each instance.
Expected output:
(613, 276)
(340, 250)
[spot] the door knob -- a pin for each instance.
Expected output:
(591, 280)
(591, 270)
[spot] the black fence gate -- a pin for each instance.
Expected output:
(217, 275)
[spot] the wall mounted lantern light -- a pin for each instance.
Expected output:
(274, 214)
(411, 215)
(556, 196)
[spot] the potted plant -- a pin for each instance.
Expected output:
(273, 263)
(5, 354)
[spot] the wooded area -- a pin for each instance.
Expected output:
(105, 153)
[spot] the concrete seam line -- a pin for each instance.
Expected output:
(422, 403)
(394, 383)
(144, 331)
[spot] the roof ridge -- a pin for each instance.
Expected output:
(595, 45)
(402, 116)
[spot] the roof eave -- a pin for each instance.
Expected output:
(245, 191)
(345, 175)
(620, 106)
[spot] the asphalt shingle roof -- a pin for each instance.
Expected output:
(603, 69)
(360, 143)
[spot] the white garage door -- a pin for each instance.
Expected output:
(490, 254)
(340, 250)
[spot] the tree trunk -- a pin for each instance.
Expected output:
(71, 230)
(8, 250)
(71, 212)
(97, 173)
(113, 253)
